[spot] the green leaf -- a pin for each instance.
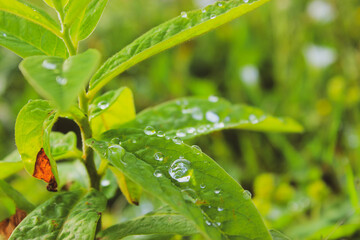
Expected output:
(111, 109)
(276, 235)
(60, 80)
(12, 164)
(161, 221)
(57, 4)
(74, 10)
(187, 180)
(64, 145)
(132, 191)
(86, 24)
(191, 117)
(69, 215)
(180, 29)
(32, 133)
(26, 37)
(20, 201)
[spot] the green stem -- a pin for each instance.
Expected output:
(67, 40)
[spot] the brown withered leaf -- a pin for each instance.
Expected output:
(8, 225)
(43, 171)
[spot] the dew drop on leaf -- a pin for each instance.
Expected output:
(116, 153)
(201, 129)
(184, 15)
(208, 222)
(159, 156)
(253, 119)
(202, 186)
(212, 117)
(105, 183)
(220, 4)
(197, 148)
(203, 10)
(115, 141)
(61, 80)
(149, 130)
(180, 133)
(157, 173)
(191, 130)
(246, 195)
(217, 191)
(213, 98)
(177, 140)
(180, 170)
(212, 16)
(246, 1)
(103, 105)
(160, 134)
(48, 65)
(220, 209)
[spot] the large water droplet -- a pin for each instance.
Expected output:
(180, 170)
(246, 1)
(197, 114)
(158, 173)
(189, 194)
(105, 183)
(149, 130)
(48, 65)
(61, 80)
(177, 140)
(115, 141)
(184, 15)
(116, 153)
(212, 117)
(246, 195)
(197, 148)
(159, 156)
(103, 105)
(253, 119)
(181, 133)
(202, 186)
(160, 134)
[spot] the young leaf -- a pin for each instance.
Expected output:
(132, 191)
(86, 23)
(187, 180)
(69, 215)
(12, 163)
(64, 145)
(161, 221)
(111, 110)
(26, 38)
(32, 137)
(191, 117)
(180, 29)
(74, 9)
(20, 201)
(60, 80)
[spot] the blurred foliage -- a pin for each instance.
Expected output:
(295, 58)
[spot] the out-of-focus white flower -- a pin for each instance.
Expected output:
(319, 56)
(321, 11)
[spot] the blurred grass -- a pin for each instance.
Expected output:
(291, 58)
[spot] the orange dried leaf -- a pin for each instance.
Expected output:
(43, 171)
(8, 225)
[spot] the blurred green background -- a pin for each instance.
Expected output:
(290, 58)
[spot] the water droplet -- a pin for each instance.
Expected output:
(201, 129)
(167, 138)
(220, 4)
(213, 98)
(220, 209)
(202, 186)
(197, 148)
(149, 130)
(177, 140)
(212, 117)
(227, 119)
(48, 65)
(246, 195)
(180, 133)
(35, 220)
(184, 15)
(253, 119)
(180, 170)
(103, 105)
(105, 183)
(208, 222)
(61, 80)
(203, 10)
(4, 35)
(160, 134)
(189, 194)
(212, 16)
(116, 153)
(197, 114)
(133, 141)
(217, 191)
(115, 141)
(158, 173)
(246, 1)
(219, 125)
(191, 130)
(159, 156)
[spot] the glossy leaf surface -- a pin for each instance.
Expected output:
(69, 215)
(180, 29)
(60, 80)
(20, 201)
(28, 31)
(32, 133)
(111, 109)
(161, 221)
(64, 145)
(191, 117)
(187, 180)
(10, 165)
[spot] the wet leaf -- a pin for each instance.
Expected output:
(43, 171)
(161, 221)
(191, 117)
(12, 163)
(20, 201)
(28, 31)
(60, 80)
(67, 215)
(187, 180)
(32, 136)
(111, 109)
(63, 146)
(8, 225)
(177, 30)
